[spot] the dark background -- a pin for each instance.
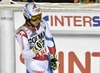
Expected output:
(52, 1)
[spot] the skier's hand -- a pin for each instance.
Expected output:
(54, 62)
(38, 46)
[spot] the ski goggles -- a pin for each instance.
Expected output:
(34, 18)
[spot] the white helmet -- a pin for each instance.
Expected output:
(31, 9)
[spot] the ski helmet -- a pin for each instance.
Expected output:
(31, 9)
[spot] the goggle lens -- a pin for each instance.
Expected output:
(34, 18)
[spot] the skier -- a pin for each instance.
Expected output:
(37, 44)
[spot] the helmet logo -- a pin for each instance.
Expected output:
(34, 6)
(35, 9)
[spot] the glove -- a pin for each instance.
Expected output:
(54, 63)
(38, 46)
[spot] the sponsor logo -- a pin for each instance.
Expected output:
(73, 21)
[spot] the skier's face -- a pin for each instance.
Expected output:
(35, 20)
(35, 23)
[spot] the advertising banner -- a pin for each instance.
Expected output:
(73, 21)
(87, 22)
(77, 53)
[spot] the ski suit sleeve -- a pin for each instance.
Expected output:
(21, 37)
(50, 41)
(54, 63)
